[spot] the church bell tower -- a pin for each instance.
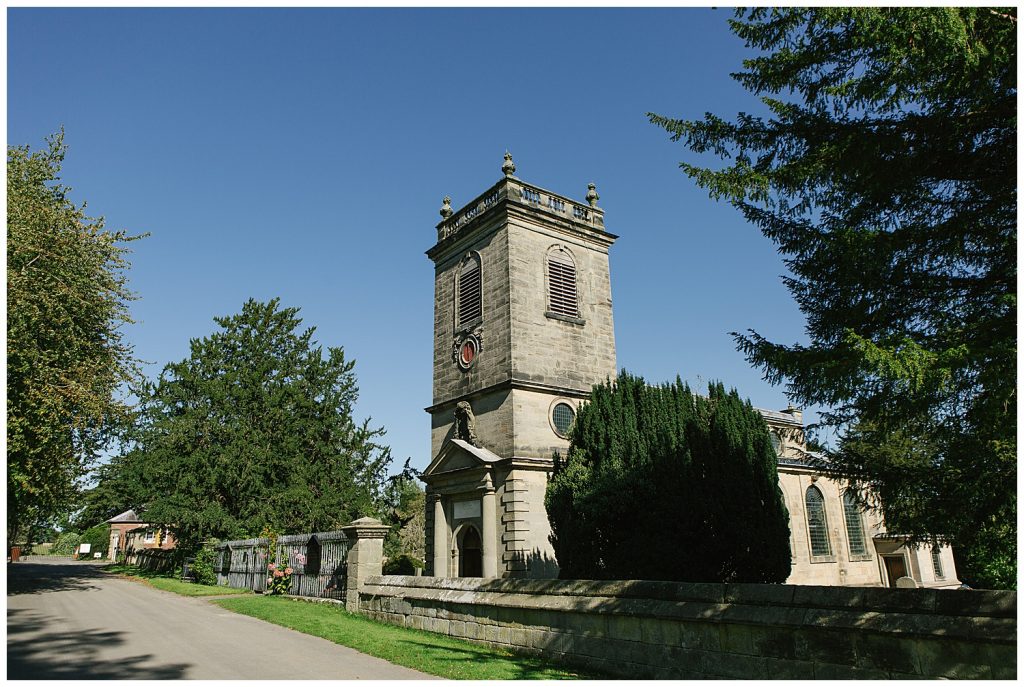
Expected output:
(522, 331)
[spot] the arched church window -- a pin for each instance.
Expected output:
(776, 443)
(562, 296)
(937, 563)
(854, 525)
(468, 294)
(817, 524)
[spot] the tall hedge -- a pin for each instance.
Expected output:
(660, 483)
(99, 537)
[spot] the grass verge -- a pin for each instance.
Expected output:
(168, 583)
(424, 651)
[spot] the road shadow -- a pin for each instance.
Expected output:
(37, 578)
(35, 655)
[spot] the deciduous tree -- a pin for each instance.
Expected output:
(405, 510)
(67, 304)
(884, 169)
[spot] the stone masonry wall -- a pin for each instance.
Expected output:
(494, 362)
(524, 521)
(668, 630)
(575, 355)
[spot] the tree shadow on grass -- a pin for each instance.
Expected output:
(33, 654)
(525, 667)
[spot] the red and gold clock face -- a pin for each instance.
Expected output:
(467, 354)
(466, 348)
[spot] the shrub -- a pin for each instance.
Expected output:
(66, 544)
(402, 565)
(663, 484)
(202, 567)
(99, 537)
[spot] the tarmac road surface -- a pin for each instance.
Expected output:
(68, 620)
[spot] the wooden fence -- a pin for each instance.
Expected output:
(318, 560)
(156, 560)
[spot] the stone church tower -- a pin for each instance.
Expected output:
(522, 331)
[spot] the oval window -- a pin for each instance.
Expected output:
(562, 416)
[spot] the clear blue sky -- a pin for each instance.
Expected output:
(304, 154)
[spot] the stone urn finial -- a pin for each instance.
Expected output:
(508, 167)
(446, 207)
(592, 196)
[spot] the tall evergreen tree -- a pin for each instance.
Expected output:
(67, 304)
(885, 171)
(663, 484)
(253, 430)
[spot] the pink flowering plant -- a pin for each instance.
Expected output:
(279, 578)
(279, 575)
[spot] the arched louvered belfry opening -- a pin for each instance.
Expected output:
(468, 292)
(563, 296)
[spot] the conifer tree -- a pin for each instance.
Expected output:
(254, 429)
(663, 484)
(885, 171)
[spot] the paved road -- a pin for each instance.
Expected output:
(68, 620)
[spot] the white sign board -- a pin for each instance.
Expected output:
(466, 509)
(84, 548)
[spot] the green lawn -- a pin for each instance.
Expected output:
(424, 651)
(169, 583)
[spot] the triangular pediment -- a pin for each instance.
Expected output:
(457, 454)
(127, 516)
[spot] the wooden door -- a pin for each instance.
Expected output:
(895, 568)
(471, 561)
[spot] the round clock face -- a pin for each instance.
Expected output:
(467, 353)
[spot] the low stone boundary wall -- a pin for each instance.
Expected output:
(671, 630)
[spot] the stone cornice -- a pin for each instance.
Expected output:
(366, 528)
(522, 384)
(525, 202)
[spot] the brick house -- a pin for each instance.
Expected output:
(129, 533)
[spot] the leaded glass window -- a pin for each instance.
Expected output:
(817, 523)
(854, 525)
(562, 416)
(937, 563)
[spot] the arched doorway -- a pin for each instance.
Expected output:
(471, 560)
